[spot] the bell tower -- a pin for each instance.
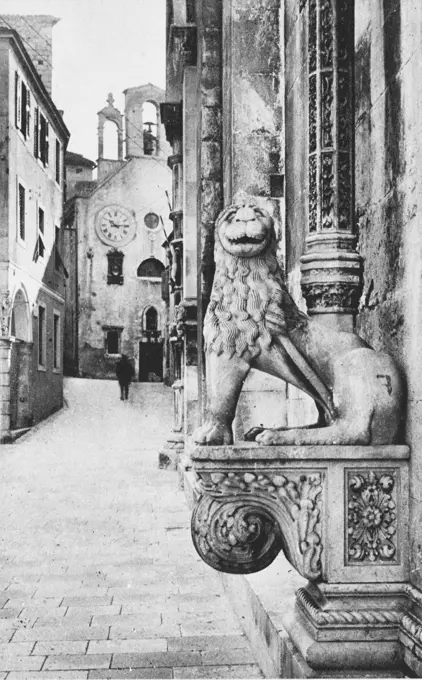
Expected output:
(144, 130)
(109, 114)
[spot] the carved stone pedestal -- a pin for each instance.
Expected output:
(340, 515)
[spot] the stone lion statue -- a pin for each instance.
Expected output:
(252, 322)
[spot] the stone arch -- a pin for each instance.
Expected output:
(110, 114)
(150, 126)
(150, 268)
(151, 319)
(20, 323)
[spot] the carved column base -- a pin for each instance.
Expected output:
(411, 631)
(348, 626)
(331, 274)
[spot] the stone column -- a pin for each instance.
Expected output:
(171, 116)
(190, 247)
(331, 267)
(5, 357)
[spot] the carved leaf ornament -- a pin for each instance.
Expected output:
(244, 519)
(372, 519)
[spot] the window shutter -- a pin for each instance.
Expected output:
(46, 143)
(23, 108)
(28, 114)
(21, 204)
(58, 161)
(17, 100)
(36, 132)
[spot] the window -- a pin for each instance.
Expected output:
(150, 268)
(58, 161)
(41, 246)
(43, 143)
(22, 107)
(21, 211)
(115, 267)
(41, 336)
(112, 341)
(57, 256)
(151, 319)
(56, 340)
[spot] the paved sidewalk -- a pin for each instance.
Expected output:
(98, 575)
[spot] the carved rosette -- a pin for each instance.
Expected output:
(371, 517)
(243, 519)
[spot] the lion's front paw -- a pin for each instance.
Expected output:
(267, 437)
(213, 433)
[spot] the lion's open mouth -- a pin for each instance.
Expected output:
(243, 240)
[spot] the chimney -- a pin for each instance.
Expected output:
(36, 33)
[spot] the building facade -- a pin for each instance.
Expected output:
(310, 109)
(33, 140)
(116, 231)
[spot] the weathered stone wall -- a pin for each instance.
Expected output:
(296, 135)
(389, 205)
(210, 169)
(252, 109)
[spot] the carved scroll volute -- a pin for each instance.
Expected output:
(243, 520)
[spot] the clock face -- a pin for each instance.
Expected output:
(115, 225)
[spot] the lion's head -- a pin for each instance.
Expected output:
(249, 302)
(245, 230)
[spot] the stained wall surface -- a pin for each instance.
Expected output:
(388, 156)
(389, 206)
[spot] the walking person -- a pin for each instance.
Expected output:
(124, 372)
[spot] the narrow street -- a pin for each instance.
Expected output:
(98, 575)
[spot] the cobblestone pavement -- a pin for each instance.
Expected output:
(98, 576)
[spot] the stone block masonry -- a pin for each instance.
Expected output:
(98, 576)
(36, 32)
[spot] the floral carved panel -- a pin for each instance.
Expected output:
(371, 516)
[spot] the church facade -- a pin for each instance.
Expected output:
(116, 235)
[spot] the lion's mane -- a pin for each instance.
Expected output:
(249, 304)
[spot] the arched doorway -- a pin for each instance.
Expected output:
(20, 364)
(151, 348)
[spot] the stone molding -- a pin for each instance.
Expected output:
(346, 617)
(412, 627)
